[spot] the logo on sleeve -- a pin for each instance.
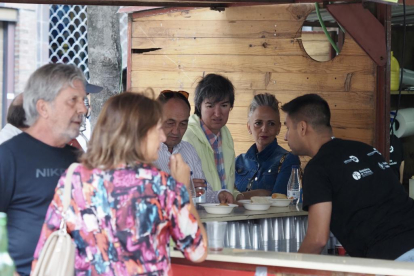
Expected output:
(383, 165)
(391, 149)
(351, 159)
(357, 175)
(374, 152)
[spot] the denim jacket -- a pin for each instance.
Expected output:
(264, 167)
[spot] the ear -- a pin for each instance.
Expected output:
(248, 127)
(303, 128)
(42, 108)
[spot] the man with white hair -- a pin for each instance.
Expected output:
(32, 162)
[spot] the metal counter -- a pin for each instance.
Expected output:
(240, 213)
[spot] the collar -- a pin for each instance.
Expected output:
(211, 137)
(176, 149)
(264, 154)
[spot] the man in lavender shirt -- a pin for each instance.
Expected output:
(176, 113)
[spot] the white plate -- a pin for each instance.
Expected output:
(217, 209)
(256, 206)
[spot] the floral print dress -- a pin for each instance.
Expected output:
(121, 221)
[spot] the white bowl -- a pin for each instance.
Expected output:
(256, 206)
(279, 202)
(217, 209)
(242, 201)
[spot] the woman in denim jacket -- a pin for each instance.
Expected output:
(265, 168)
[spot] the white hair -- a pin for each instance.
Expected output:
(265, 99)
(45, 84)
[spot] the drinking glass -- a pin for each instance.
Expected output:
(216, 230)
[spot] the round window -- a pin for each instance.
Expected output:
(322, 39)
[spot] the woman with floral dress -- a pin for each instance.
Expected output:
(124, 210)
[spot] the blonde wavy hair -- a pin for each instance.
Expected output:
(120, 131)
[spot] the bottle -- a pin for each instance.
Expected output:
(293, 187)
(6, 262)
(395, 73)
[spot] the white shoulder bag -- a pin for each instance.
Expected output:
(57, 257)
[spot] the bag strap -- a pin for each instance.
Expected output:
(281, 162)
(68, 187)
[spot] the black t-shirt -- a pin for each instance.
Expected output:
(29, 173)
(396, 154)
(372, 215)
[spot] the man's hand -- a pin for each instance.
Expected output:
(180, 171)
(199, 183)
(225, 197)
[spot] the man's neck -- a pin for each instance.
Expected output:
(45, 135)
(318, 141)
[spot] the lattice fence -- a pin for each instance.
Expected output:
(68, 41)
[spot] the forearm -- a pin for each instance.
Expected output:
(194, 212)
(311, 246)
(249, 194)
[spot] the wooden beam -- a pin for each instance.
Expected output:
(129, 57)
(178, 3)
(363, 27)
(169, 3)
(163, 3)
(382, 117)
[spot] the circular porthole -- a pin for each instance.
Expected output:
(322, 42)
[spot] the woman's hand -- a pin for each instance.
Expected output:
(180, 171)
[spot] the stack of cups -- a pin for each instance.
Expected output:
(244, 235)
(278, 234)
(255, 234)
(216, 231)
(231, 234)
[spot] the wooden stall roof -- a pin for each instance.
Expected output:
(184, 3)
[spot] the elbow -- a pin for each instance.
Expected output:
(321, 244)
(200, 254)
(201, 259)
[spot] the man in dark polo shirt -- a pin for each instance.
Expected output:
(348, 188)
(32, 162)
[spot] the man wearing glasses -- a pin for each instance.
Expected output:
(176, 110)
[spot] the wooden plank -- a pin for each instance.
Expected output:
(240, 29)
(336, 100)
(218, 46)
(271, 12)
(265, 81)
(248, 64)
(342, 118)
(243, 141)
(240, 135)
(316, 45)
(231, 46)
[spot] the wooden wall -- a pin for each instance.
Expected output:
(259, 49)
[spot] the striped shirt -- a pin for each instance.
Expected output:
(215, 142)
(190, 156)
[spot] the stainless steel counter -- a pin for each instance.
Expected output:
(240, 213)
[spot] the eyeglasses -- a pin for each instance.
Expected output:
(184, 93)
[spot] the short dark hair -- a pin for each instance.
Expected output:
(215, 87)
(164, 97)
(311, 108)
(16, 116)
